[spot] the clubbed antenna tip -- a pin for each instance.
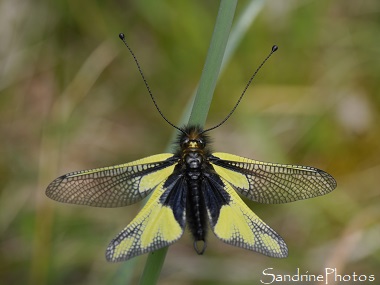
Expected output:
(122, 37)
(274, 48)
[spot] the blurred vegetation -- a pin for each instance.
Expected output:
(71, 98)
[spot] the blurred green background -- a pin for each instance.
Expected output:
(71, 98)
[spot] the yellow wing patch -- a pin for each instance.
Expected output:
(239, 226)
(239, 179)
(149, 181)
(236, 225)
(153, 228)
(160, 225)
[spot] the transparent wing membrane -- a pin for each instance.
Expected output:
(113, 186)
(270, 182)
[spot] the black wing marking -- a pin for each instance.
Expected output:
(234, 223)
(160, 223)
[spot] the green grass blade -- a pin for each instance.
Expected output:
(213, 62)
(239, 29)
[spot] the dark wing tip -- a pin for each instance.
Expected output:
(330, 181)
(53, 186)
(109, 254)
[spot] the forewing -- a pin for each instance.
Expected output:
(234, 223)
(113, 186)
(160, 223)
(270, 182)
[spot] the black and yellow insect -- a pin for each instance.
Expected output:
(194, 187)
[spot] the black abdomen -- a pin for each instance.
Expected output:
(196, 215)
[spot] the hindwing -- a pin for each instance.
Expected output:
(160, 223)
(113, 186)
(234, 223)
(270, 182)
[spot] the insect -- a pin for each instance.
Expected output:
(195, 187)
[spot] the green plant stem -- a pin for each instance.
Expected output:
(241, 26)
(213, 62)
(200, 108)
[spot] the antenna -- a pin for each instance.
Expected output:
(122, 37)
(274, 48)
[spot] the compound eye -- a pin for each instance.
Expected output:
(185, 143)
(201, 143)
